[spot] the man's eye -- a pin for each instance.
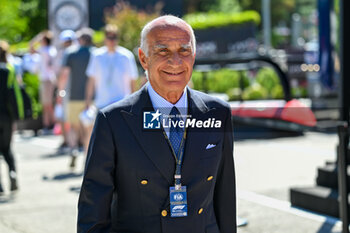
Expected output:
(163, 51)
(185, 51)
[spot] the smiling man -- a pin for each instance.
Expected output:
(161, 178)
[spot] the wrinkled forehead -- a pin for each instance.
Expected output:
(163, 34)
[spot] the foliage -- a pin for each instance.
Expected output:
(337, 12)
(198, 81)
(281, 10)
(220, 19)
(19, 48)
(234, 94)
(278, 40)
(226, 6)
(191, 6)
(130, 22)
(219, 81)
(305, 7)
(22, 19)
(277, 92)
(32, 85)
(267, 78)
(299, 92)
(222, 80)
(255, 92)
(12, 24)
(36, 12)
(238, 85)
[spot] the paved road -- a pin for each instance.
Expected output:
(265, 168)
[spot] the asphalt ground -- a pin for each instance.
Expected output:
(265, 170)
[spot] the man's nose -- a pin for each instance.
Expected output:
(175, 59)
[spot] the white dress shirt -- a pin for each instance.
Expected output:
(164, 107)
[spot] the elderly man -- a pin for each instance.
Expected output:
(161, 160)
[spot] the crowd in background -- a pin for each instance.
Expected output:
(76, 79)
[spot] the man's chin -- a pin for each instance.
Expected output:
(175, 86)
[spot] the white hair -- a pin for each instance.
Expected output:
(170, 20)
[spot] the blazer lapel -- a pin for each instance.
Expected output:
(152, 142)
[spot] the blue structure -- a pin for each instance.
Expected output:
(325, 46)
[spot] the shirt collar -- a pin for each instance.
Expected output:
(163, 105)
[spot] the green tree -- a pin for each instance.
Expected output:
(22, 19)
(36, 11)
(12, 24)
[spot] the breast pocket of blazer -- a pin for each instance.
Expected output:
(211, 150)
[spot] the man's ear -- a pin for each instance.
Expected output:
(142, 59)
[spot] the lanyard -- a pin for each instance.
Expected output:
(178, 158)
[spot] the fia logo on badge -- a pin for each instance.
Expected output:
(178, 197)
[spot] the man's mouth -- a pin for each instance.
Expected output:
(173, 73)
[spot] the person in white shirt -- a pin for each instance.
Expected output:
(112, 72)
(47, 76)
(31, 61)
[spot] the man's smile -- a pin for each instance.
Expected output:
(173, 73)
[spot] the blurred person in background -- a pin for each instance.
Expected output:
(73, 76)
(16, 62)
(47, 77)
(67, 39)
(112, 71)
(7, 76)
(31, 61)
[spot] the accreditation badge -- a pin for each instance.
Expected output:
(178, 202)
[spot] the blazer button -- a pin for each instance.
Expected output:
(164, 213)
(144, 182)
(210, 178)
(200, 211)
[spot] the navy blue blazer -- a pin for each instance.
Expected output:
(129, 171)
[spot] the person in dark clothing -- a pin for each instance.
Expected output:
(6, 122)
(73, 71)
